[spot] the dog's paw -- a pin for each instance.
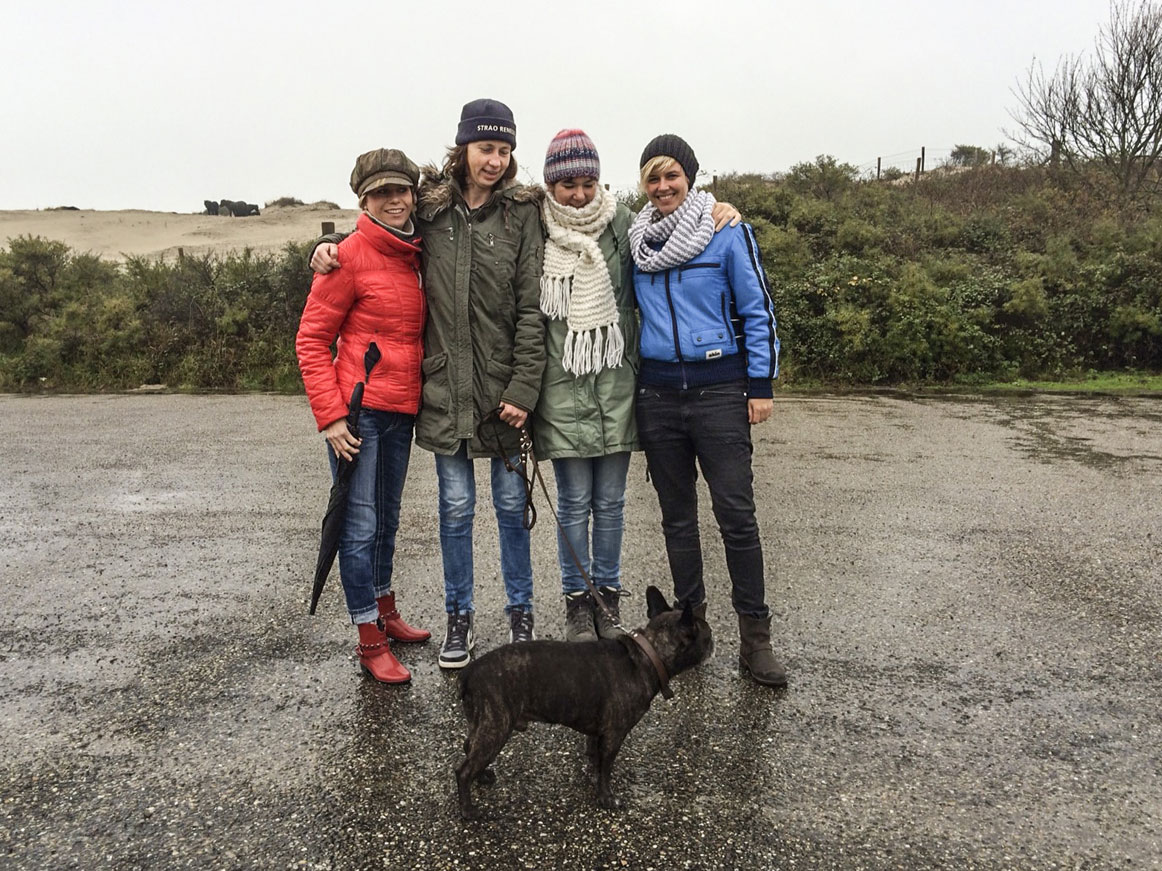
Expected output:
(610, 802)
(470, 812)
(487, 777)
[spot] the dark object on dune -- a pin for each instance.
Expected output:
(211, 207)
(237, 208)
(336, 513)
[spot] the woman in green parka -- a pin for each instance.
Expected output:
(584, 419)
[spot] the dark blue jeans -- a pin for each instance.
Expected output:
(707, 425)
(367, 545)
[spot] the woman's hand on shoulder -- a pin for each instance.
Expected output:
(325, 258)
(722, 213)
(759, 410)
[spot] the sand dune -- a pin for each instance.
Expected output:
(121, 234)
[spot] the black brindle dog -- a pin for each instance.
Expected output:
(601, 688)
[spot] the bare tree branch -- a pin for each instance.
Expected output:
(1105, 110)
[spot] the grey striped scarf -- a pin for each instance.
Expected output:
(684, 233)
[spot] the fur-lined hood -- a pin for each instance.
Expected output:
(437, 192)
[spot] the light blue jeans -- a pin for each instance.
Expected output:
(367, 544)
(457, 480)
(591, 486)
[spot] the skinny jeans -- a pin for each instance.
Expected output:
(456, 476)
(590, 487)
(704, 428)
(367, 542)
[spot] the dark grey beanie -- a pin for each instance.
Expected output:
(671, 145)
(486, 119)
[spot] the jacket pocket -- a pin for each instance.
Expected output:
(686, 267)
(710, 341)
(436, 393)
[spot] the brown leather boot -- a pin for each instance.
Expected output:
(393, 624)
(754, 653)
(375, 656)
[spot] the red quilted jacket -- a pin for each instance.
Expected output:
(375, 295)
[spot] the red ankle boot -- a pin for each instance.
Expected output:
(393, 624)
(376, 658)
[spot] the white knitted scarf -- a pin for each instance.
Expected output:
(575, 283)
(684, 233)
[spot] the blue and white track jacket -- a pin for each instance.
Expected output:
(711, 319)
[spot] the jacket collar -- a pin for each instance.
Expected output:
(438, 193)
(385, 241)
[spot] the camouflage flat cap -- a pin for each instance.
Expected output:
(383, 166)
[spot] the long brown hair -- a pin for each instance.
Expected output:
(456, 166)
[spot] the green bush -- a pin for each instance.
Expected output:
(993, 272)
(75, 322)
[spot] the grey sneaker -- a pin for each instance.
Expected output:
(457, 649)
(606, 628)
(520, 623)
(579, 617)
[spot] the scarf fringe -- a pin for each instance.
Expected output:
(593, 350)
(555, 293)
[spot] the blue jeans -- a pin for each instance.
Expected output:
(457, 480)
(590, 486)
(707, 425)
(367, 545)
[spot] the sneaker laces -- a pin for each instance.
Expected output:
(458, 627)
(521, 624)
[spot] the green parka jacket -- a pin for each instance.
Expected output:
(485, 337)
(592, 415)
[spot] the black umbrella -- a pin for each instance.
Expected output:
(336, 514)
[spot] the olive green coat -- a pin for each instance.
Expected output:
(592, 415)
(485, 337)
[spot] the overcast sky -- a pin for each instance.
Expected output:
(153, 105)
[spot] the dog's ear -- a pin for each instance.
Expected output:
(655, 602)
(687, 618)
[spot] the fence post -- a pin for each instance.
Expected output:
(328, 228)
(923, 165)
(919, 164)
(878, 159)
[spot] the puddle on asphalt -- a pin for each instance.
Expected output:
(1090, 432)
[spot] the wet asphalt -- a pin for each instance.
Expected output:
(967, 592)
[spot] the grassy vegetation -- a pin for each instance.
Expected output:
(989, 278)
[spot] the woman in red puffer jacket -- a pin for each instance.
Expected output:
(376, 297)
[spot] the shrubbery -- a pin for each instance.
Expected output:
(985, 274)
(988, 273)
(74, 322)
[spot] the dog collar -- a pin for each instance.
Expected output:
(652, 655)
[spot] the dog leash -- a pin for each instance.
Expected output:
(528, 460)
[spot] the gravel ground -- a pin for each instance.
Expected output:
(966, 591)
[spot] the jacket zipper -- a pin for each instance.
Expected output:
(674, 327)
(686, 266)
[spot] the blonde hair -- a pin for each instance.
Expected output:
(655, 166)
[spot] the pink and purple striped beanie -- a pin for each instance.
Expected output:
(571, 154)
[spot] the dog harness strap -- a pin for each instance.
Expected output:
(659, 666)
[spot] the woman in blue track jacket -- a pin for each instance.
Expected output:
(709, 351)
